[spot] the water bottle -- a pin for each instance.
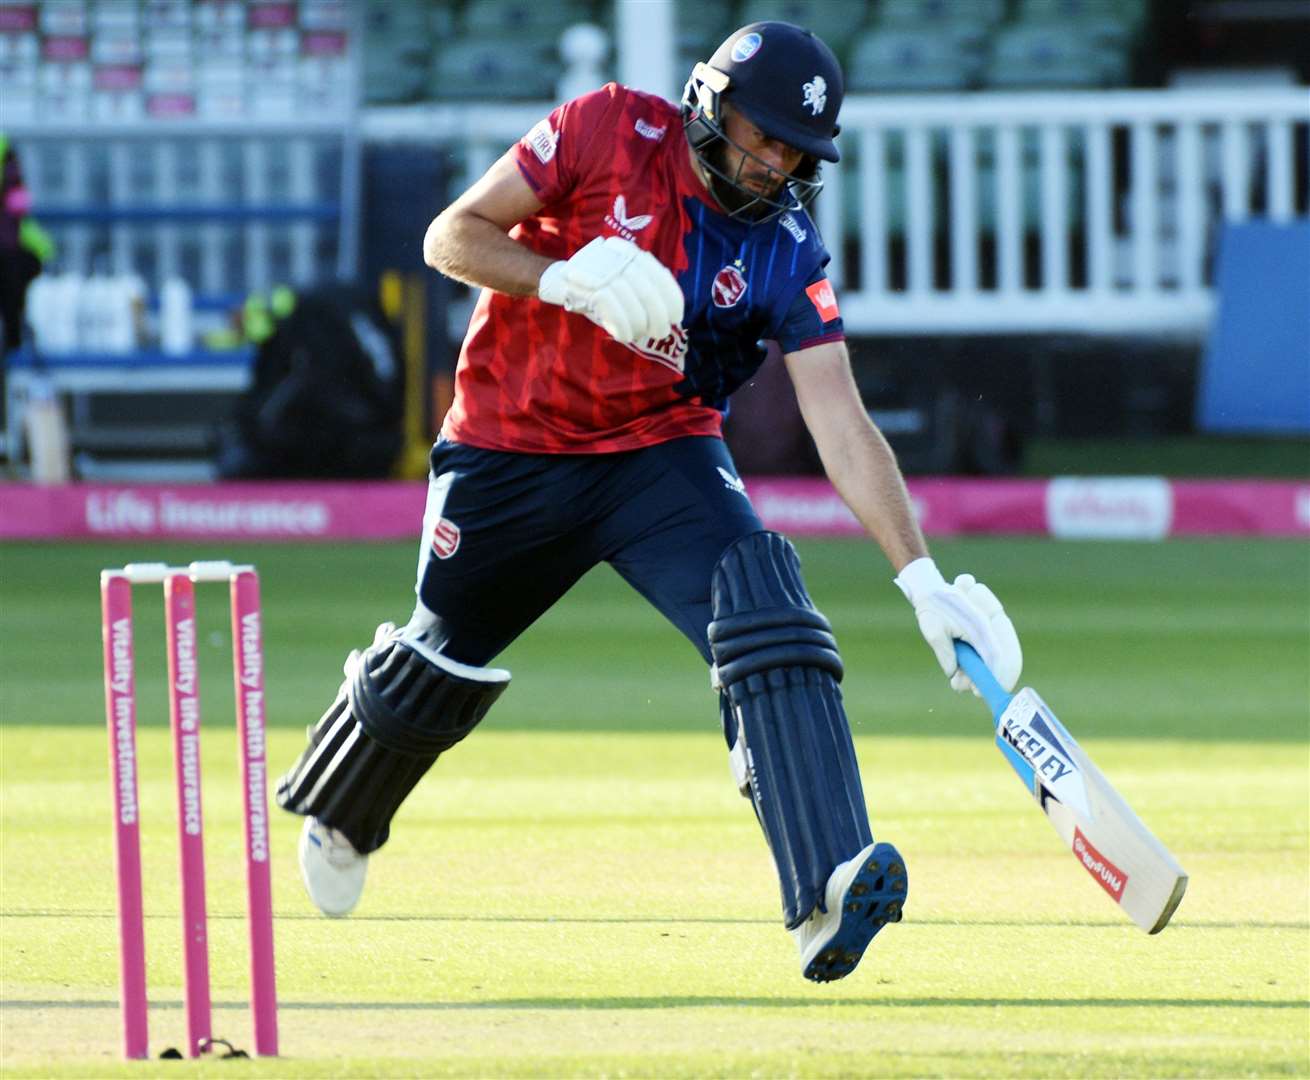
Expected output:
(63, 314)
(120, 328)
(47, 435)
(176, 324)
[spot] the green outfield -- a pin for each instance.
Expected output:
(579, 890)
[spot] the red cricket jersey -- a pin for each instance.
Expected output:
(535, 378)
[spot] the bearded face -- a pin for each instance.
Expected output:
(751, 175)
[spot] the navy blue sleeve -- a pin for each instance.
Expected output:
(812, 317)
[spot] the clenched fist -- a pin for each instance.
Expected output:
(618, 286)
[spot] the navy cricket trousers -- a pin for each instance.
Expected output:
(505, 535)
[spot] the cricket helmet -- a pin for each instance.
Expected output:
(788, 83)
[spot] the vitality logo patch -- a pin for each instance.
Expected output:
(823, 299)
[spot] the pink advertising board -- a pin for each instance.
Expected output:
(1144, 508)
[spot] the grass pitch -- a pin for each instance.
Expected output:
(578, 890)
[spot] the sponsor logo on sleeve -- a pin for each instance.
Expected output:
(823, 299)
(729, 286)
(627, 227)
(1109, 508)
(1107, 875)
(445, 538)
(793, 226)
(747, 46)
(649, 131)
(542, 140)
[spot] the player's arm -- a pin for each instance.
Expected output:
(863, 469)
(854, 453)
(469, 240)
(611, 281)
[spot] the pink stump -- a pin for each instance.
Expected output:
(248, 673)
(184, 716)
(120, 712)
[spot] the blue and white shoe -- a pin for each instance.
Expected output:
(332, 870)
(863, 895)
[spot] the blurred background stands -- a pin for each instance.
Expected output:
(989, 186)
(509, 49)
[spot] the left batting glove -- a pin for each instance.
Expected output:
(967, 610)
(617, 285)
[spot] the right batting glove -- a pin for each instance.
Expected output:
(967, 610)
(618, 286)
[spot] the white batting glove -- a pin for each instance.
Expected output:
(967, 610)
(617, 285)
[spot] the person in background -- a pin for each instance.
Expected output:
(24, 246)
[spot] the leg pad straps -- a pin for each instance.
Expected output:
(776, 664)
(401, 706)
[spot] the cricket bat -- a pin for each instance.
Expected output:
(1109, 841)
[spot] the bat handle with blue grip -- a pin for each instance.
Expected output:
(993, 692)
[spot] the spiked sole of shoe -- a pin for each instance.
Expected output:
(874, 898)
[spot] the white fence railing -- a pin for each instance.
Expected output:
(1079, 212)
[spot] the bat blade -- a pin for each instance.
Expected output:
(1098, 827)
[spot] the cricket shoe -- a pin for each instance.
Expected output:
(863, 895)
(332, 870)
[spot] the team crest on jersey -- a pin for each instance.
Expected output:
(670, 350)
(729, 286)
(626, 227)
(445, 538)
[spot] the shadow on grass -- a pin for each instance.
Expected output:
(655, 920)
(708, 1001)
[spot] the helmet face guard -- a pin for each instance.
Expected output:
(703, 120)
(786, 82)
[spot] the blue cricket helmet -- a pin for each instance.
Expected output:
(789, 84)
(787, 81)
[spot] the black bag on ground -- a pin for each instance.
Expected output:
(327, 397)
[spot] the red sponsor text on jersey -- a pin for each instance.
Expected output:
(824, 299)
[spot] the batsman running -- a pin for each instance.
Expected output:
(632, 256)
